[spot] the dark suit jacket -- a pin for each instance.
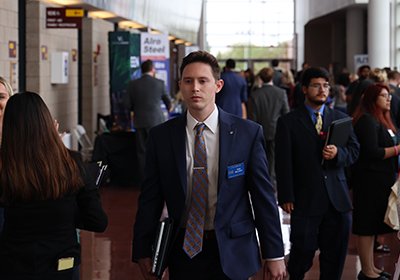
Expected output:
(266, 105)
(300, 176)
(241, 141)
(143, 97)
(233, 93)
(37, 234)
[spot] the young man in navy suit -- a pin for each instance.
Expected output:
(316, 195)
(240, 198)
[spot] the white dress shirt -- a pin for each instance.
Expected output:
(211, 138)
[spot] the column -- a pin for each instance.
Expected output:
(379, 33)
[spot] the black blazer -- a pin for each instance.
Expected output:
(301, 178)
(37, 234)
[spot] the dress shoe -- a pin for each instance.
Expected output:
(385, 274)
(381, 248)
(362, 276)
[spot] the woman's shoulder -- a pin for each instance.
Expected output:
(367, 121)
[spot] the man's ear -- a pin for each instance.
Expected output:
(304, 89)
(220, 85)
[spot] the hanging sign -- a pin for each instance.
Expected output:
(64, 17)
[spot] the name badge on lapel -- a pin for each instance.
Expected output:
(235, 170)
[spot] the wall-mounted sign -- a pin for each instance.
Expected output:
(74, 54)
(12, 49)
(360, 60)
(59, 67)
(64, 17)
(44, 52)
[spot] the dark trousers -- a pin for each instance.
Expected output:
(141, 135)
(329, 233)
(204, 266)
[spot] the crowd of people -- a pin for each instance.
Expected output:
(328, 190)
(217, 175)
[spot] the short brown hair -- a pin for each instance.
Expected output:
(266, 74)
(204, 57)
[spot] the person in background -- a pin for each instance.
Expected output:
(143, 97)
(315, 195)
(277, 80)
(266, 105)
(46, 195)
(339, 97)
(299, 73)
(250, 78)
(288, 85)
(215, 185)
(5, 93)
(233, 96)
(373, 174)
(394, 82)
(356, 88)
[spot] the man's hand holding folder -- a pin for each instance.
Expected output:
(338, 135)
(145, 265)
(329, 152)
(153, 268)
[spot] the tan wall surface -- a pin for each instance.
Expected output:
(95, 76)
(62, 99)
(9, 33)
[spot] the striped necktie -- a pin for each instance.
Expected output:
(193, 241)
(318, 123)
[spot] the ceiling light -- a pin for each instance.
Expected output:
(101, 14)
(64, 2)
(130, 24)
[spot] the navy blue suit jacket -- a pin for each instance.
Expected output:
(241, 141)
(301, 178)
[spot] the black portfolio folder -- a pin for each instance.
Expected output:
(339, 132)
(161, 246)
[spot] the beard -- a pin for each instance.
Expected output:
(317, 102)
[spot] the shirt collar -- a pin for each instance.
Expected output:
(211, 122)
(312, 112)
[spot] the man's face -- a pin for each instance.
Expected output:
(364, 73)
(198, 87)
(317, 92)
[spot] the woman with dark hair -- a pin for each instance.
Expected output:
(46, 195)
(373, 174)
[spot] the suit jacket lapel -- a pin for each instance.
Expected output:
(328, 118)
(178, 135)
(227, 135)
(306, 120)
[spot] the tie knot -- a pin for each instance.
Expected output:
(200, 128)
